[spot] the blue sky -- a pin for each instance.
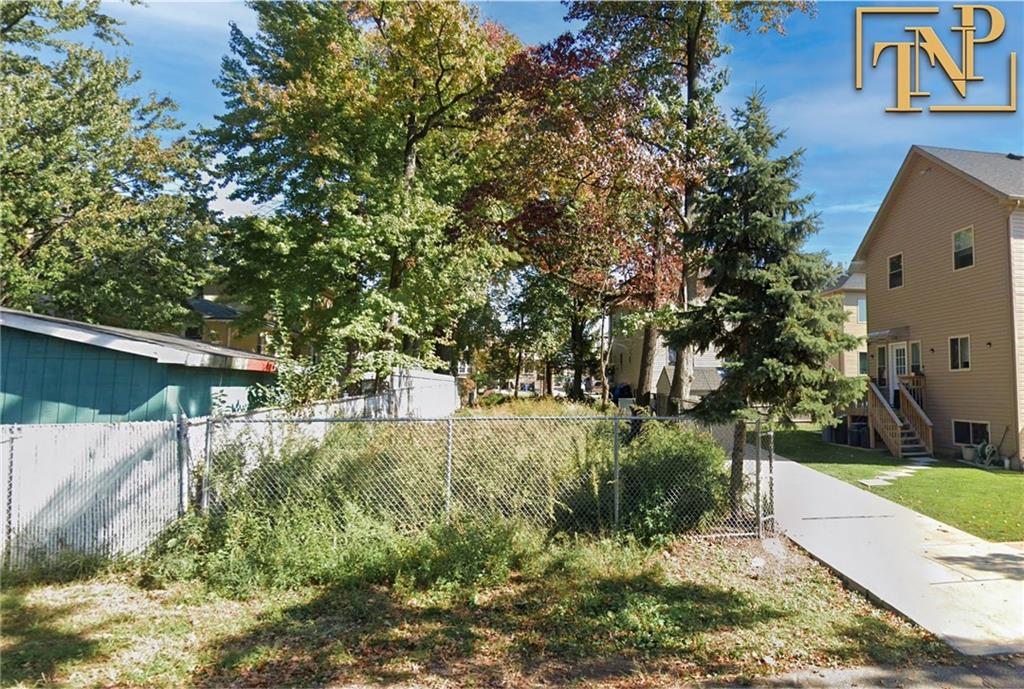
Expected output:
(853, 148)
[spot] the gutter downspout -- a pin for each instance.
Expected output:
(1015, 206)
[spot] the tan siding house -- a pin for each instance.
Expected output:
(944, 259)
(852, 290)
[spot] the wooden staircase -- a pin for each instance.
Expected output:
(911, 444)
(907, 433)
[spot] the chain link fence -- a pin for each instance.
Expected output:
(574, 474)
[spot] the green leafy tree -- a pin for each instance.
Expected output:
(356, 119)
(662, 55)
(765, 313)
(102, 218)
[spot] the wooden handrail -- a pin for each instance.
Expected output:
(915, 385)
(916, 417)
(883, 419)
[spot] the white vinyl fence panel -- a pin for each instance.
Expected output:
(111, 488)
(104, 489)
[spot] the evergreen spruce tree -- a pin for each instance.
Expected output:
(765, 313)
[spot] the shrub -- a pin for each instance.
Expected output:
(672, 476)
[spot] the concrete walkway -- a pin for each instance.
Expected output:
(1004, 672)
(965, 590)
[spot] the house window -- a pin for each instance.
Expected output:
(862, 310)
(672, 356)
(863, 363)
(915, 358)
(960, 353)
(895, 271)
(970, 432)
(882, 369)
(963, 248)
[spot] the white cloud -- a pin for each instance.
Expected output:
(202, 15)
(233, 207)
(861, 207)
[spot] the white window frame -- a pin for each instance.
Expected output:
(974, 253)
(949, 352)
(952, 430)
(888, 271)
(910, 355)
(862, 300)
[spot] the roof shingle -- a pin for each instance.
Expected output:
(1003, 172)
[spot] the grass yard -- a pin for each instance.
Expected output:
(988, 504)
(592, 613)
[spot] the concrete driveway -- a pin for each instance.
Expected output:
(965, 590)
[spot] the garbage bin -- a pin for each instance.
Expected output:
(859, 435)
(841, 433)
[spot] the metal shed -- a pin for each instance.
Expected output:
(54, 370)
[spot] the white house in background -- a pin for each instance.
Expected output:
(624, 368)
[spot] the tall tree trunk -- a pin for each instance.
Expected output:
(549, 379)
(453, 360)
(647, 352)
(682, 376)
(578, 345)
(605, 354)
(739, 447)
(519, 371)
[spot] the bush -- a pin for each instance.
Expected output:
(493, 399)
(673, 478)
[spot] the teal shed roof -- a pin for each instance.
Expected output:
(163, 348)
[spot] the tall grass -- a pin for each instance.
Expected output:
(370, 504)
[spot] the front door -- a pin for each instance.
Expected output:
(898, 366)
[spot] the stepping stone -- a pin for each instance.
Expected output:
(889, 475)
(875, 482)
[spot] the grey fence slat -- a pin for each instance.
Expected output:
(104, 489)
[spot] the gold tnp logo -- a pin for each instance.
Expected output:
(926, 40)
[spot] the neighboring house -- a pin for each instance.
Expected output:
(624, 367)
(707, 376)
(54, 370)
(944, 258)
(852, 289)
(219, 324)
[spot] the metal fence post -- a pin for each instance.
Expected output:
(448, 470)
(182, 438)
(771, 474)
(9, 507)
(615, 467)
(204, 499)
(759, 508)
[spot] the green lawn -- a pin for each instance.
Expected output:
(986, 503)
(597, 615)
